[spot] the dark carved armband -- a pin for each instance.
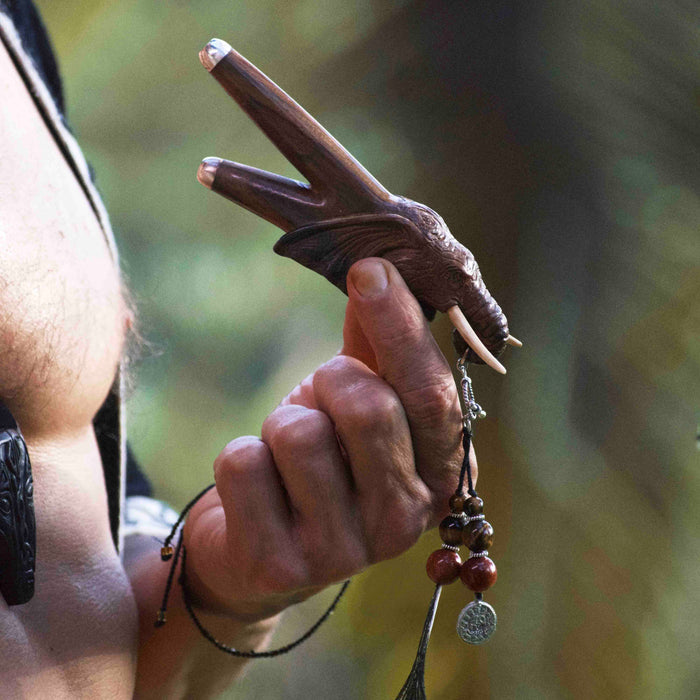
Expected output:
(17, 522)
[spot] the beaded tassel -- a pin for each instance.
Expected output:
(465, 525)
(477, 621)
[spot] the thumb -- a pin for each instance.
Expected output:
(407, 356)
(355, 343)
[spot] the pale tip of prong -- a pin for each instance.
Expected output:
(513, 341)
(459, 321)
(207, 171)
(213, 52)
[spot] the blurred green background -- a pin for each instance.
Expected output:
(560, 142)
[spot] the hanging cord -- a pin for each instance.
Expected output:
(466, 466)
(167, 553)
(183, 515)
(444, 566)
(472, 411)
(161, 618)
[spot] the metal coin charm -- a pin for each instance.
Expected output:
(477, 622)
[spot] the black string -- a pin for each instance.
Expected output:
(166, 553)
(181, 553)
(160, 620)
(252, 654)
(466, 466)
(184, 513)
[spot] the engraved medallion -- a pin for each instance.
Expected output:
(476, 622)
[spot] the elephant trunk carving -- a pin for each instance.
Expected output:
(344, 214)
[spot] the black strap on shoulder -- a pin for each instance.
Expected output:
(36, 43)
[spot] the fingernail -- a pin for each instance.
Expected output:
(369, 278)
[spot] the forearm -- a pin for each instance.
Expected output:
(175, 660)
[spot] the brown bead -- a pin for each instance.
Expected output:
(478, 535)
(451, 530)
(474, 506)
(161, 619)
(166, 553)
(443, 566)
(478, 573)
(457, 501)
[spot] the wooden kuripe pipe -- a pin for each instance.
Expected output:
(344, 214)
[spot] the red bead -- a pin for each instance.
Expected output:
(443, 566)
(478, 573)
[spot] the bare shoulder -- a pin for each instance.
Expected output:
(61, 309)
(62, 320)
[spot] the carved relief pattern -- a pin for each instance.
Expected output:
(476, 623)
(17, 523)
(344, 214)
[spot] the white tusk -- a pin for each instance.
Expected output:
(513, 341)
(459, 321)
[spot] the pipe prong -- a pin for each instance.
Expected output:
(207, 171)
(213, 52)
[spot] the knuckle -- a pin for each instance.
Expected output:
(404, 518)
(410, 505)
(371, 410)
(435, 402)
(240, 456)
(328, 375)
(297, 428)
(338, 363)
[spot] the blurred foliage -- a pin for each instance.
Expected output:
(560, 141)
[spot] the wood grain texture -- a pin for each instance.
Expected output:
(344, 214)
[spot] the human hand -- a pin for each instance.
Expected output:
(350, 469)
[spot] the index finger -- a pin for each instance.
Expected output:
(409, 359)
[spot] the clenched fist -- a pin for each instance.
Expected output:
(351, 467)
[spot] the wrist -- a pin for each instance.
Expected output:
(211, 584)
(211, 602)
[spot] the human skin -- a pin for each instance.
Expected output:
(62, 325)
(292, 511)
